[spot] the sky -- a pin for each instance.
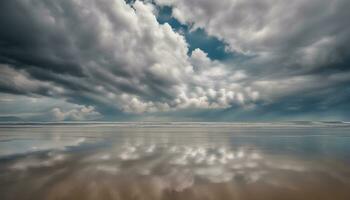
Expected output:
(174, 60)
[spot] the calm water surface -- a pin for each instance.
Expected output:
(175, 161)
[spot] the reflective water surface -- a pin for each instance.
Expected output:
(175, 161)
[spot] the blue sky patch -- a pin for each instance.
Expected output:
(198, 38)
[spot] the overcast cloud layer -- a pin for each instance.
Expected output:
(113, 60)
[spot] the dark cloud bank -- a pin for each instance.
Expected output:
(112, 60)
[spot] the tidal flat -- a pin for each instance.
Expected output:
(161, 161)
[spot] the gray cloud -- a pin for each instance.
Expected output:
(298, 36)
(108, 53)
(104, 57)
(310, 33)
(294, 49)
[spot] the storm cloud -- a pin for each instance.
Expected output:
(111, 57)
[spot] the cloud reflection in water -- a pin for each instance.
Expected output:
(164, 166)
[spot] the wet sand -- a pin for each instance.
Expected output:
(191, 161)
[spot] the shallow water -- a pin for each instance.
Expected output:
(175, 161)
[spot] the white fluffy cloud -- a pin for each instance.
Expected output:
(210, 84)
(78, 114)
